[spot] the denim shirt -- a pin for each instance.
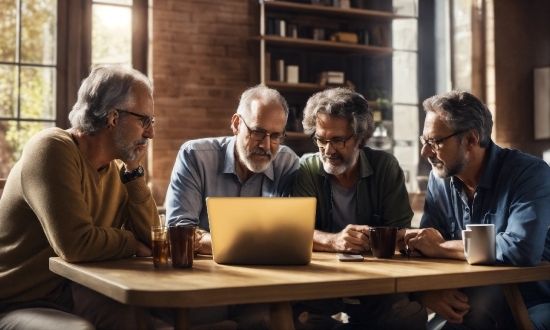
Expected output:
(513, 194)
(206, 167)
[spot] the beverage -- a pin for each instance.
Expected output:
(159, 239)
(182, 246)
(160, 252)
(383, 241)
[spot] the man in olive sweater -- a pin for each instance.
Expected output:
(356, 187)
(79, 194)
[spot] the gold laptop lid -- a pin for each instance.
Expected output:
(262, 230)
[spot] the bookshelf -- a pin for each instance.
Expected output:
(365, 60)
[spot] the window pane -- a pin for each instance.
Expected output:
(8, 30)
(38, 31)
(462, 50)
(8, 91)
(37, 93)
(404, 34)
(405, 89)
(405, 7)
(116, 2)
(13, 137)
(111, 35)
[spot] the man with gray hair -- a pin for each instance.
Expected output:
(356, 187)
(79, 194)
(474, 181)
(251, 163)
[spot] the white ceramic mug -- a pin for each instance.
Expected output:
(479, 244)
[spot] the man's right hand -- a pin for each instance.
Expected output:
(352, 239)
(450, 304)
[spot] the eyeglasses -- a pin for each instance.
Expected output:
(336, 144)
(274, 138)
(146, 121)
(436, 144)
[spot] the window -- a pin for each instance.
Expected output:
(39, 77)
(112, 32)
(28, 34)
(405, 89)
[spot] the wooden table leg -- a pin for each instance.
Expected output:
(141, 317)
(517, 305)
(280, 314)
(182, 321)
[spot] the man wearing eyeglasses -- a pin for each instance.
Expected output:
(356, 187)
(79, 194)
(474, 181)
(251, 163)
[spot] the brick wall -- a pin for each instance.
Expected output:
(201, 62)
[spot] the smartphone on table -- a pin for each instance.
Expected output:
(349, 257)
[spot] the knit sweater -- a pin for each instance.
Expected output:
(55, 203)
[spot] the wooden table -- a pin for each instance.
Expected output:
(135, 281)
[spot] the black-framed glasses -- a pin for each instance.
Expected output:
(274, 138)
(436, 144)
(146, 121)
(336, 143)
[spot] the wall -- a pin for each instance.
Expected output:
(522, 43)
(201, 63)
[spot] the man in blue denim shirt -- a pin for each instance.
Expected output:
(474, 181)
(251, 163)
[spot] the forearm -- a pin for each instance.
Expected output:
(453, 249)
(323, 241)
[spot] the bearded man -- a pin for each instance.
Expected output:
(474, 181)
(251, 163)
(79, 194)
(356, 187)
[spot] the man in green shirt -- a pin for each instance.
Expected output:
(356, 187)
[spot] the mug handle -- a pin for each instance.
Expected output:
(466, 235)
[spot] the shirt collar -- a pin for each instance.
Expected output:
(229, 162)
(487, 176)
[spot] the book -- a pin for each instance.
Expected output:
(280, 67)
(292, 74)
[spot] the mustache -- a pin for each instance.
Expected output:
(141, 142)
(333, 157)
(261, 152)
(434, 161)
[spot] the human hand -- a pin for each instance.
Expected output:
(352, 239)
(400, 240)
(141, 151)
(427, 241)
(143, 250)
(203, 242)
(450, 304)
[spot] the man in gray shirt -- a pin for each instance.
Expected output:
(251, 163)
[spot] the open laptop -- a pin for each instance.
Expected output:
(261, 230)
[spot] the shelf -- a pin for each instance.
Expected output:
(373, 15)
(297, 88)
(297, 135)
(292, 43)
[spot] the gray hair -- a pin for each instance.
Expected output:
(265, 94)
(342, 103)
(106, 88)
(462, 111)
